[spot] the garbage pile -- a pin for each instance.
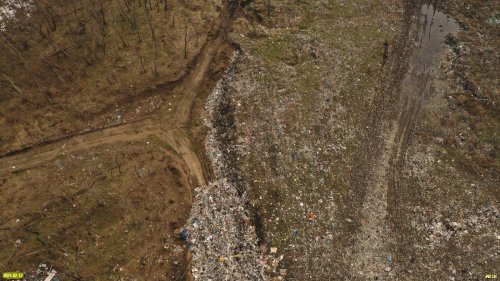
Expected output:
(443, 230)
(220, 233)
(221, 237)
(8, 10)
(44, 272)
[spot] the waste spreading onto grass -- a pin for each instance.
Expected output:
(219, 231)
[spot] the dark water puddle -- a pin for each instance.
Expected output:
(434, 26)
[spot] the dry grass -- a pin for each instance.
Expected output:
(109, 211)
(84, 71)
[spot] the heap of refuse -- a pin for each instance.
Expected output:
(220, 233)
(221, 237)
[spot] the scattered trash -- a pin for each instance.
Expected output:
(43, 272)
(312, 216)
(116, 268)
(52, 274)
(494, 20)
(219, 212)
(274, 250)
(184, 235)
(389, 259)
(194, 223)
(441, 230)
(18, 243)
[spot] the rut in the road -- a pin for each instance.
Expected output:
(375, 248)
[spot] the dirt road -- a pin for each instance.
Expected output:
(175, 132)
(381, 208)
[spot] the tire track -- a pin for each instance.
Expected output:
(433, 27)
(371, 237)
(374, 243)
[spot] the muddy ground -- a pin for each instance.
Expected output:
(343, 141)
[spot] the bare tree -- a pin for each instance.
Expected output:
(153, 37)
(165, 6)
(186, 40)
(101, 12)
(12, 83)
(124, 43)
(48, 13)
(141, 60)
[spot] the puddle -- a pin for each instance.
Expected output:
(434, 26)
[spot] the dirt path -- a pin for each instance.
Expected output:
(40, 154)
(183, 111)
(176, 132)
(375, 246)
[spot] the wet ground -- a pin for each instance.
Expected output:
(374, 241)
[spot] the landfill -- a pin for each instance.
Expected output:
(220, 233)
